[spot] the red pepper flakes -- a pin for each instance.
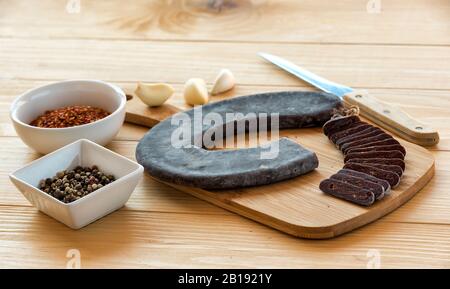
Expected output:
(69, 116)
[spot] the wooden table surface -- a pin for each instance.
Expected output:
(401, 53)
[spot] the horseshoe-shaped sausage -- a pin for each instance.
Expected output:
(223, 169)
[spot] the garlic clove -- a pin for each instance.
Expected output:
(224, 81)
(154, 94)
(195, 92)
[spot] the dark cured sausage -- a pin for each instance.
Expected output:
(394, 162)
(395, 169)
(381, 136)
(374, 161)
(385, 184)
(347, 192)
(339, 123)
(348, 138)
(362, 183)
(394, 147)
(369, 132)
(392, 178)
(388, 141)
(353, 129)
(376, 154)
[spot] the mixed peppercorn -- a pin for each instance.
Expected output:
(69, 116)
(71, 185)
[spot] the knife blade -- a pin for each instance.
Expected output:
(383, 114)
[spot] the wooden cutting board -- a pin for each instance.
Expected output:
(297, 206)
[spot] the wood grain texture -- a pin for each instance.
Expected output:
(154, 240)
(422, 22)
(358, 66)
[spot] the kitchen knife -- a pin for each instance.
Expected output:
(385, 115)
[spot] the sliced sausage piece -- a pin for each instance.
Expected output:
(391, 177)
(385, 184)
(388, 141)
(339, 123)
(393, 162)
(376, 154)
(381, 136)
(353, 129)
(392, 168)
(370, 132)
(394, 147)
(347, 192)
(362, 183)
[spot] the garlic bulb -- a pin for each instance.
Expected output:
(195, 92)
(154, 94)
(224, 82)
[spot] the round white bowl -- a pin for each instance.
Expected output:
(35, 102)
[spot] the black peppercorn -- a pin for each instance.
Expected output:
(71, 185)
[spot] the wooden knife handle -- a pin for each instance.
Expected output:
(392, 118)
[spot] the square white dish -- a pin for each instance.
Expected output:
(91, 207)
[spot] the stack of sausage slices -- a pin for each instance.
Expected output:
(374, 161)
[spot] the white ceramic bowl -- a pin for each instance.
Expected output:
(88, 208)
(34, 103)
